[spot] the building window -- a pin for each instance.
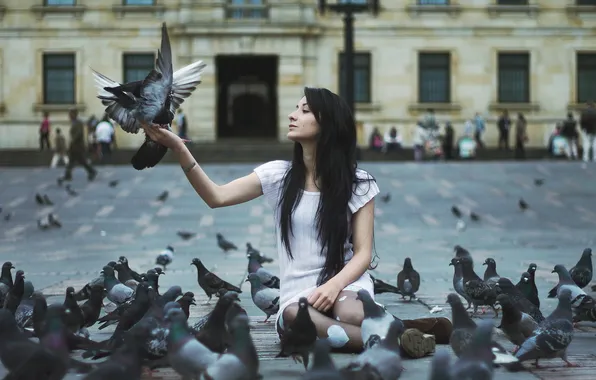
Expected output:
(586, 77)
(246, 9)
(362, 77)
(512, 2)
(434, 78)
(513, 78)
(433, 2)
(59, 78)
(585, 2)
(136, 66)
(49, 3)
(138, 2)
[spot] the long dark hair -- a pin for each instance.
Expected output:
(335, 174)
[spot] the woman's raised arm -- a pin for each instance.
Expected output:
(238, 191)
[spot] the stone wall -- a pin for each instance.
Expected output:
(308, 45)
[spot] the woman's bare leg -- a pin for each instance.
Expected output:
(341, 335)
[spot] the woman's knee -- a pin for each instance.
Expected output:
(348, 309)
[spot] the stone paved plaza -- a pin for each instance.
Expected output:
(102, 223)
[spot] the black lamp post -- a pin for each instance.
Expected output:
(348, 8)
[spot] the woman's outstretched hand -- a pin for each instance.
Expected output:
(163, 136)
(323, 298)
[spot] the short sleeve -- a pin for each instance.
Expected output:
(271, 175)
(364, 190)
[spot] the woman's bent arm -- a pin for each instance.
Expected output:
(238, 191)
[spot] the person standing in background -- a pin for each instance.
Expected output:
(44, 131)
(182, 124)
(59, 149)
(504, 124)
(479, 130)
(569, 132)
(104, 132)
(76, 151)
(588, 127)
(521, 136)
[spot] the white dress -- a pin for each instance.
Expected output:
(298, 277)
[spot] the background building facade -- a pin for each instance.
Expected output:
(457, 57)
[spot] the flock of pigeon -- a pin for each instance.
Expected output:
(151, 328)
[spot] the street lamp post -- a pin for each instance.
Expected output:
(348, 8)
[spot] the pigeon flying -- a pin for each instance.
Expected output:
(165, 257)
(153, 100)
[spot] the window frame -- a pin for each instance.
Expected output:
(45, 77)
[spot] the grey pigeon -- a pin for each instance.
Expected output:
(408, 280)
(233, 364)
(490, 274)
(267, 278)
(224, 244)
(566, 282)
(118, 293)
(24, 311)
(262, 258)
(516, 325)
(186, 235)
(458, 280)
(581, 273)
(154, 99)
(383, 360)
(266, 299)
(479, 291)
(504, 285)
(476, 361)
(300, 336)
(6, 281)
(209, 282)
(165, 257)
(322, 366)
(187, 356)
(440, 366)
(463, 325)
(376, 319)
(553, 335)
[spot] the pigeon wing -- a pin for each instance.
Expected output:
(118, 113)
(581, 276)
(185, 81)
(415, 281)
(555, 336)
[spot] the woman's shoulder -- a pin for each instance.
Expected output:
(365, 189)
(272, 171)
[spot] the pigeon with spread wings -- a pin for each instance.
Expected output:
(153, 100)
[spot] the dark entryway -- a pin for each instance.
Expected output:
(246, 96)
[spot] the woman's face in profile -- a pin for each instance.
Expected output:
(303, 125)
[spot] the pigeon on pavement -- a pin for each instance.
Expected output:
(376, 319)
(209, 282)
(581, 273)
(553, 335)
(322, 366)
(408, 280)
(117, 292)
(504, 285)
(479, 291)
(224, 244)
(382, 361)
(476, 361)
(300, 336)
(516, 325)
(381, 286)
(266, 299)
(490, 274)
(527, 288)
(165, 257)
(458, 280)
(267, 278)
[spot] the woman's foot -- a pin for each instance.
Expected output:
(416, 344)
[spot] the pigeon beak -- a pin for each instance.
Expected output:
(497, 303)
(193, 302)
(450, 264)
(554, 271)
(101, 272)
(246, 280)
(485, 263)
(13, 267)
